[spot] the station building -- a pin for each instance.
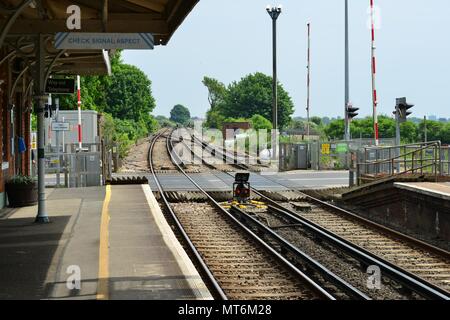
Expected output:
(23, 21)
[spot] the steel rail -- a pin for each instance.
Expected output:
(387, 231)
(302, 276)
(408, 279)
(218, 292)
(287, 246)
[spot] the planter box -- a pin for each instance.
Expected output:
(22, 195)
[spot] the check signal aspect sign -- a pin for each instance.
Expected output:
(98, 41)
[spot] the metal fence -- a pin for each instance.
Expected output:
(72, 169)
(429, 158)
(336, 155)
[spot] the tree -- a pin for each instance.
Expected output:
(216, 91)
(164, 121)
(260, 123)
(408, 132)
(214, 119)
(129, 96)
(445, 134)
(125, 100)
(180, 114)
(335, 130)
(251, 95)
(434, 130)
(317, 121)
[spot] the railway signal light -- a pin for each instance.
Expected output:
(401, 109)
(352, 112)
(241, 187)
(48, 112)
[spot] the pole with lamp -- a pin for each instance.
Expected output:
(347, 76)
(274, 13)
(308, 81)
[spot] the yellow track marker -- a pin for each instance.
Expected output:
(103, 259)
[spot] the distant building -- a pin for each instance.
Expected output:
(432, 118)
(234, 126)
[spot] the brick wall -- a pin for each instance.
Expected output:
(22, 128)
(3, 98)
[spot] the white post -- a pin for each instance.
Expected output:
(80, 144)
(49, 121)
(308, 106)
(374, 72)
(63, 138)
(58, 168)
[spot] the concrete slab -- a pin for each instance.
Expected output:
(145, 259)
(280, 181)
(437, 190)
(31, 254)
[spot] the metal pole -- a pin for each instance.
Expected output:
(48, 126)
(63, 138)
(397, 137)
(374, 71)
(80, 144)
(274, 89)
(58, 168)
(347, 75)
(308, 100)
(41, 98)
(425, 128)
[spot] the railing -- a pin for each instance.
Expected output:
(73, 169)
(429, 158)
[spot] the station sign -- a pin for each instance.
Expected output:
(33, 140)
(60, 86)
(60, 126)
(98, 41)
(342, 148)
(326, 148)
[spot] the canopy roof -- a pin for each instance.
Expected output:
(22, 20)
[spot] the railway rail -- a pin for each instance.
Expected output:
(236, 262)
(419, 267)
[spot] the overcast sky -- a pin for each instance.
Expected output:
(232, 38)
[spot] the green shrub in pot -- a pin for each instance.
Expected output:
(22, 191)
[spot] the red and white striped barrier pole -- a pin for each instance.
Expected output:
(374, 72)
(80, 144)
(308, 81)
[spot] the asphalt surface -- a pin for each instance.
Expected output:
(219, 181)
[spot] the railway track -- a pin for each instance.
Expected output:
(418, 267)
(428, 263)
(237, 263)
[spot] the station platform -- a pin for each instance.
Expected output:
(420, 209)
(113, 239)
(437, 190)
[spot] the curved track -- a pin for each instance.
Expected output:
(419, 267)
(237, 264)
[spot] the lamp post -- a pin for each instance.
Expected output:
(274, 13)
(347, 76)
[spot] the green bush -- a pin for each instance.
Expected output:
(22, 180)
(126, 132)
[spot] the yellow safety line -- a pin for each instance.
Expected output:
(103, 259)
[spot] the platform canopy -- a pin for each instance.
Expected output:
(22, 20)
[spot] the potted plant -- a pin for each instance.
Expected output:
(22, 191)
